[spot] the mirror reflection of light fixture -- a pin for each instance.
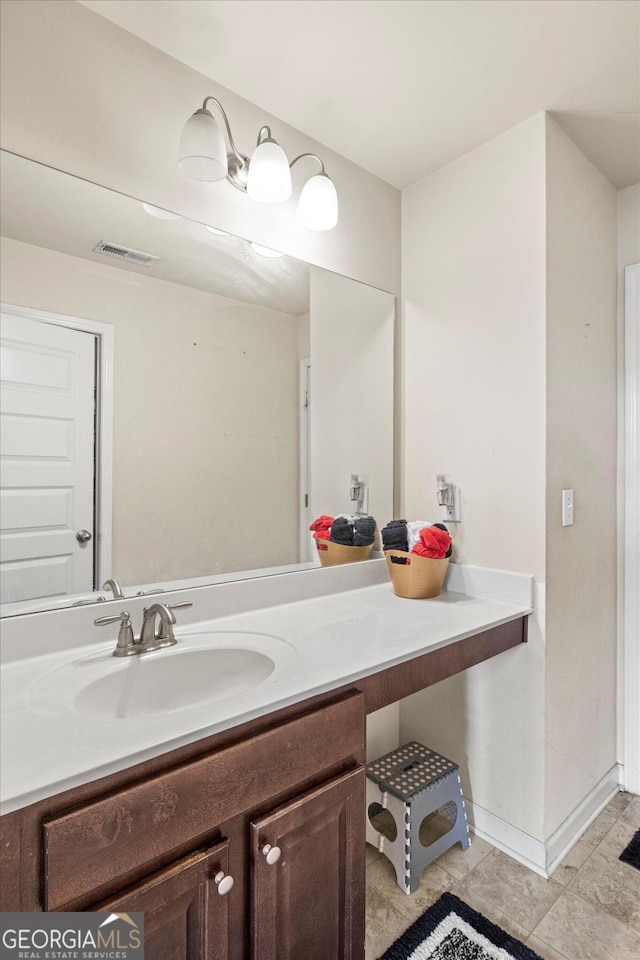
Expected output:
(159, 213)
(265, 251)
(266, 177)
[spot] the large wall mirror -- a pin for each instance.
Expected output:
(177, 403)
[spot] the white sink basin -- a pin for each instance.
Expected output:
(203, 669)
(151, 684)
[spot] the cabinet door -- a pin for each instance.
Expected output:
(310, 903)
(185, 916)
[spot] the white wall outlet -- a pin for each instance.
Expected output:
(450, 512)
(567, 508)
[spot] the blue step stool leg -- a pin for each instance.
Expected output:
(436, 798)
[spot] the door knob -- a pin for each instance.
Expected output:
(83, 536)
(271, 854)
(224, 883)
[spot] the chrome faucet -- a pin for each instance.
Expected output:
(162, 637)
(118, 594)
(113, 585)
(150, 639)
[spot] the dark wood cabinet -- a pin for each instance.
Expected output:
(186, 912)
(305, 900)
(156, 844)
(310, 901)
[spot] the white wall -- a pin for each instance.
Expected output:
(474, 408)
(510, 388)
(351, 383)
(304, 336)
(628, 231)
(205, 460)
(581, 454)
(83, 95)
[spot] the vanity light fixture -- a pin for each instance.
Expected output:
(266, 177)
(269, 177)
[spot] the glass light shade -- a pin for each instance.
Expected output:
(203, 152)
(269, 178)
(318, 203)
(159, 213)
(265, 251)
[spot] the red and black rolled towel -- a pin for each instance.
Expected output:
(321, 527)
(347, 531)
(434, 542)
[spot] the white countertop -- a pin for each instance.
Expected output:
(317, 645)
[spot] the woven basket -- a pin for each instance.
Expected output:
(331, 554)
(415, 577)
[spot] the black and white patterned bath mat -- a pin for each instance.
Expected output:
(631, 853)
(451, 930)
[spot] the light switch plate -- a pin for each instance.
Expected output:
(567, 508)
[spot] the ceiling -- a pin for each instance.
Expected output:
(47, 208)
(402, 87)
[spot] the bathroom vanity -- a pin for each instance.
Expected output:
(266, 788)
(165, 838)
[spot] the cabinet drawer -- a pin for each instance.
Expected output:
(92, 846)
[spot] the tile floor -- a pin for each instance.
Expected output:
(588, 910)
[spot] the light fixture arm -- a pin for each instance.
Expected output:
(301, 156)
(236, 152)
(268, 136)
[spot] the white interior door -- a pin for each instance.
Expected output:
(47, 453)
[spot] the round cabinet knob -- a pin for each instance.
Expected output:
(271, 854)
(83, 536)
(224, 883)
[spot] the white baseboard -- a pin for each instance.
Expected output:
(503, 835)
(562, 839)
(539, 856)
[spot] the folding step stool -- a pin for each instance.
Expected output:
(411, 783)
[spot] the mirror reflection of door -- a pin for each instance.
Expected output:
(47, 457)
(306, 543)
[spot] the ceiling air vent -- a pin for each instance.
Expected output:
(124, 253)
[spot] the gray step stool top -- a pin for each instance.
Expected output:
(409, 770)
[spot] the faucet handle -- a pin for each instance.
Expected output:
(177, 606)
(126, 640)
(103, 621)
(171, 606)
